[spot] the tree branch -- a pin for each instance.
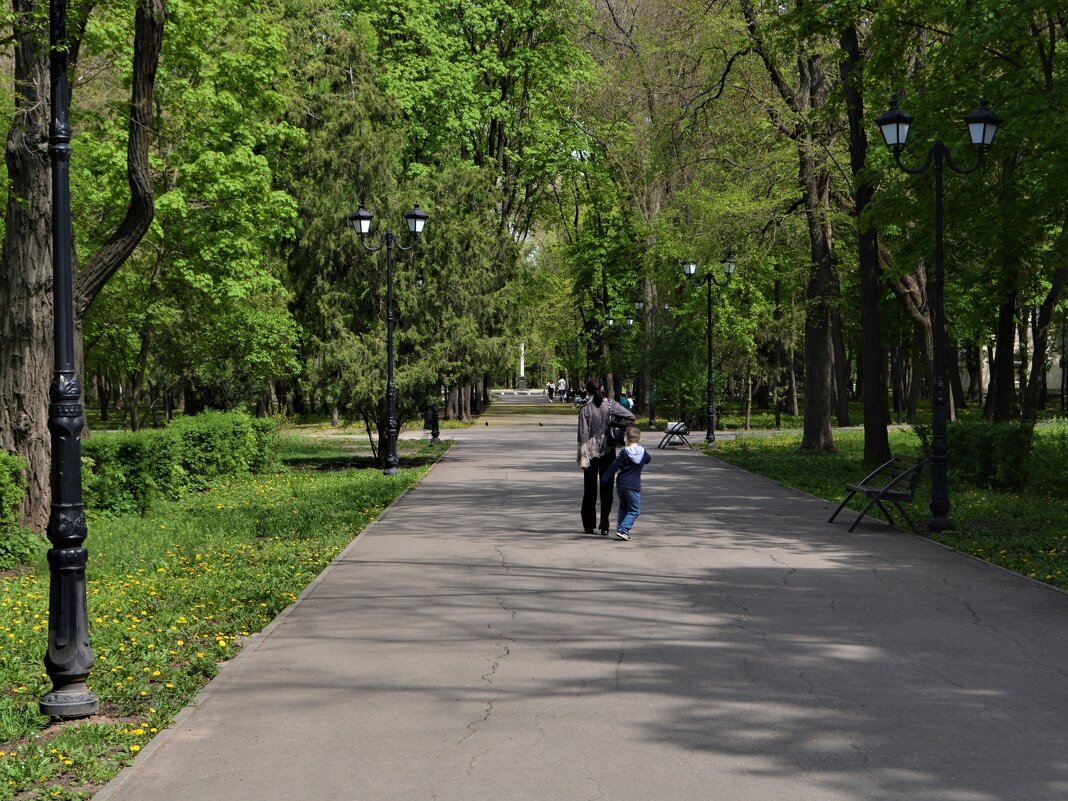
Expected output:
(148, 39)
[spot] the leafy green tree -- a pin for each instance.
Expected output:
(25, 305)
(207, 268)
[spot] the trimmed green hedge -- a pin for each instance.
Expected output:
(127, 472)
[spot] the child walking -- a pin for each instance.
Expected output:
(629, 463)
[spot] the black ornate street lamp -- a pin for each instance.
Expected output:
(361, 223)
(690, 268)
(618, 330)
(69, 658)
(982, 126)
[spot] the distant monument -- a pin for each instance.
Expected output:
(522, 366)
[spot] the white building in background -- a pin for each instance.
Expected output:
(1055, 375)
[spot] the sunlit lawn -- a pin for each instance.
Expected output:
(170, 596)
(1026, 532)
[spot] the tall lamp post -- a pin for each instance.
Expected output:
(982, 126)
(690, 268)
(618, 329)
(69, 659)
(361, 223)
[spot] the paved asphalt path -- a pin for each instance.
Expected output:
(474, 645)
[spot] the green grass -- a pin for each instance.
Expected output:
(170, 596)
(1026, 532)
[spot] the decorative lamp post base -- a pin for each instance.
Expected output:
(940, 524)
(391, 471)
(75, 701)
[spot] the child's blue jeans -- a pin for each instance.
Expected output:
(630, 506)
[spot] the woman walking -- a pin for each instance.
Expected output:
(596, 452)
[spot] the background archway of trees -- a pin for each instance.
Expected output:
(570, 154)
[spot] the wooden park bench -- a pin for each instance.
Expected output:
(676, 432)
(895, 482)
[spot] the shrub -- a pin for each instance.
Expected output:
(17, 545)
(216, 444)
(1048, 465)
(265, 456)
(12, 487)
(127, 472)
(992, 455)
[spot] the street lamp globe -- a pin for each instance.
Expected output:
(982, 125)
(361, 221)
(689, 267)
(728, 264)
(894, 123)
(416, 219)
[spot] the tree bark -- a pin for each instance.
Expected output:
(148, 40)
(811, 92)
(957, 398)
(26, 271)
(841, 369)
(922, 367)
(1001, 395)
(820, 296)
(25, 274)
(872, 287)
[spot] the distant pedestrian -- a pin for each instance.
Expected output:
(624, 401)
(629, 463)
(595, 453)
(549, 390)
(561, 388)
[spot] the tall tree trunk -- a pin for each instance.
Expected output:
(452, 411)
(103, 392)
(26, 272)
(922, 367)
(780, 353)
(749, 402)
(1036, 388)
(841, 369)
(1023, 336)
(1001, 394)
(871, 361)
(958, 400)
(819, 352)
(811, 93)
(897, 382)
(911, 291)
(792, 389)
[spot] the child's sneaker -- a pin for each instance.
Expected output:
(622, 535)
